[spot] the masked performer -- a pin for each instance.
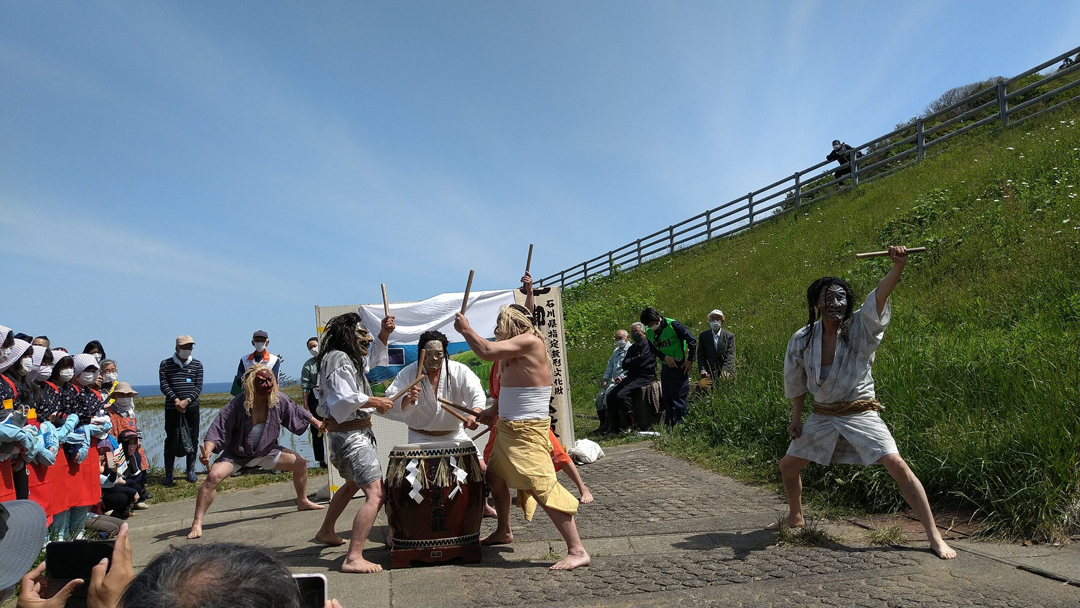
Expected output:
(245, 434)
(445, 379)
(345, 402)
(830, 358)
(521, 456)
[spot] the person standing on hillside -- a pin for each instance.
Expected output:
(830, 358)
(309, 384)
(716, 349)
(181, 379)
(260, 341)
(675, 347)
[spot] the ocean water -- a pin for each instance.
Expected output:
(151, 390)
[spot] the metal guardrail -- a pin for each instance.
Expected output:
(987, 106)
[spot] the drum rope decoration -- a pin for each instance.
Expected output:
(397, 469)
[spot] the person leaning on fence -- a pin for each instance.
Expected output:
(715, 351)
(676, 348)
(830, 358)
(181, 380)
(841, 153)
(613, 375)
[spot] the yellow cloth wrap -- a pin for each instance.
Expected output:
(522, 456)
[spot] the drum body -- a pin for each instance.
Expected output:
(434, 503)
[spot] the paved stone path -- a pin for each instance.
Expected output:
(662, 532)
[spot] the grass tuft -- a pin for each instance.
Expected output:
(813, 534)
(893, 535)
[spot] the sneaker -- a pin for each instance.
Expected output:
(141, 505)
(149, 495)
(191, 477)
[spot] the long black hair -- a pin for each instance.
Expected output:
(340, 334)
(438, 336)
(812, 295)
(94, 345)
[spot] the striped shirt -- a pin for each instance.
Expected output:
(180, 382)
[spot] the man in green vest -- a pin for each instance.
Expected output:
(675, 347)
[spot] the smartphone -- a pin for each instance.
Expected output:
(312, 588)
(68, 560)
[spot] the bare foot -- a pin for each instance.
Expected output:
(360, 566)
(586, 497)
(789, 521)
(942, 550)
(330, 539)
(489, 511)
(307, 505)
(196, 532)
(498, 538)
(571, 561)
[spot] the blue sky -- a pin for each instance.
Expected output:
(217, 168)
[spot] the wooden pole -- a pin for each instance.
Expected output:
(528, 262)
(420, 363)
(885, 254)
(407, 388)
(468, 288)
(385, 304)
(482, 433)
(457, 407)
(454, 414)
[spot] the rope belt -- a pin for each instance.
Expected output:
(357, 424)
(433, 433)
(843, 408)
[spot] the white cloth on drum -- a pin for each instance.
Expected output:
(859, 438)
(355, 456)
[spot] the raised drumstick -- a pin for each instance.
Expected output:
(457, 407)
(454, 414)
(420, 364)
(885, 254)
(385, 304)
(528, 262)
(468, 288)
(407, 388)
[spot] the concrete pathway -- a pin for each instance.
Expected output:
(662, 532)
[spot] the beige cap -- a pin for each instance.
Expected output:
(718, 313)
(185, 339)
(123, 388)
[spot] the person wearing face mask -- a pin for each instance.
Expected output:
(830, 358)
(107, 380)
(82, 484)
(638, 371)
(181, 379)
(245, 434)
(260, 355)
(444, 379)
(56, 401)
(124, 425)
(95, 349)
(715, 351)
(19, 396)
(7, 339)
(841, 153)
(676, 348)
(309, 386)
(613, 375)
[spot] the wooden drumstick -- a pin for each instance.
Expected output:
(406, 389)
(420, 364)
(528, 262)
(385, 304)
(468, 288)
(481, 433)
(885, 254)
(453, 413)
(457, 407)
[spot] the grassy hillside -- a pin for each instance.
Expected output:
(979, 369)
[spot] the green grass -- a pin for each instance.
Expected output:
(813, 534)
(892, 535)
(979, 370)
(210, 399)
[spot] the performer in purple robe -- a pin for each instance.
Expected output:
(245, 434)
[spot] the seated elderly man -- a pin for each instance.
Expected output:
(245, 434)
(444, 379)
(612, 376)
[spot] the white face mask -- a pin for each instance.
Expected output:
(125, 402)
(314, 351)
(184, 353)
(715, 325)
(97, 357)
(259, 346)
(4, 352)
(620, 343)
(110, 377)
(66, 374)
(44, 372)
(87, 378)
(25, 365)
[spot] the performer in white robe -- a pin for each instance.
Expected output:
(830, 358)
(445, 379)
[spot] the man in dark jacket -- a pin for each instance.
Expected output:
(675, 347)
(639, 370)
(841, 153)
(716, 349)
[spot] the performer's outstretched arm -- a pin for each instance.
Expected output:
(898, 255)
(518, 346)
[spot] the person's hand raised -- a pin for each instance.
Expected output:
(108, 584)
(388, 325)
(526, 281)
(461, 324)
(898, 254)
(34, 591)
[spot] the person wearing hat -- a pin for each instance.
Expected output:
(22, 527)
(181, 379)
(260, 355)
(126, 431)
(716, 351)
(19, 395)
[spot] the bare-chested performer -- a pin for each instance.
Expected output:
(521, 457)
(245, 433)
(831, 358)
(345, 403)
